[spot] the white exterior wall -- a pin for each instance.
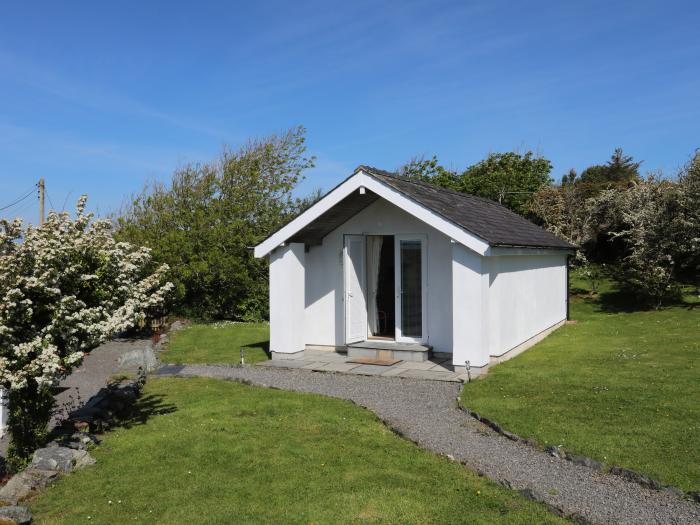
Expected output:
(470, 306)
(527, 295)
(324, 312)
(287, 278)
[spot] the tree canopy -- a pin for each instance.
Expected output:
(204, 223)
(509, 178)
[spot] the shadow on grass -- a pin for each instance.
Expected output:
(146, 407)
(624, 301)
(263, 345)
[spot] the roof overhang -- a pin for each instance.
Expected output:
(353, 184)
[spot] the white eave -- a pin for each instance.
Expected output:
(363, 180)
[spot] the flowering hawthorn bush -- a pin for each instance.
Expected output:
(65, 287)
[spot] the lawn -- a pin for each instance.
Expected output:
(211, 451)
(219, 343)
(620, 386)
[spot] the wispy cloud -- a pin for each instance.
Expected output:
(42, 78)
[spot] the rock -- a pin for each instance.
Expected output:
(586, 462)
(177, 325)
(510, 435)
(18, 515)
(24, 483)
(59, 459)
(673, 491)
(84, 460)
(531, 494)
(143, 358)
(555, 451)
(695, 496)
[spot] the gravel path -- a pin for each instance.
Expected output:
(87, 380)
(426, 413)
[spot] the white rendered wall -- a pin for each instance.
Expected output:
(287, 277)
(527, 295)
(470, 306)
(324, 314)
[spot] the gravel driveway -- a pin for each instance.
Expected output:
(426, 413)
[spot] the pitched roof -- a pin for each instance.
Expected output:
(487, 219)
(475, 222)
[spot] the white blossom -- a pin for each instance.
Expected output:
(66, 287)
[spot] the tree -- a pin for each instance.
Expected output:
(206, 221)
(645, 215)
(688, 220)
(508, 178)
(620, 169)
(65, 287)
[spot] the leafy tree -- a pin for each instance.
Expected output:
(688, 220)
(65, 287)
(508, 178)
(206, 221)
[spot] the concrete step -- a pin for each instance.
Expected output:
(388, 350)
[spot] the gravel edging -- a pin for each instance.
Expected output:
(425, 412)
(577, 459)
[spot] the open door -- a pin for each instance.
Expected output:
(411, 284)
(355, 302)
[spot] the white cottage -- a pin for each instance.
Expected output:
(389, 268)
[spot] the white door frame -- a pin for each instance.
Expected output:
(350, 272)
(400, 338)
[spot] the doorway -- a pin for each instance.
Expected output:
(385, 288)
(381, 304)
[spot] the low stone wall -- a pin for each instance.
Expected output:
(559, 452)
(69, 449)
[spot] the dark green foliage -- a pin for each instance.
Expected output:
(206, 221)
(620, 169)
(29, 410)
(508, 178)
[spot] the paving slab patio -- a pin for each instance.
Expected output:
(437, 369)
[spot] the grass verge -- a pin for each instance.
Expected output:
(219, 343)
(211, 451)
(620, 386)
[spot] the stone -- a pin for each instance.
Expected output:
(177, 325)
(16, 514)
(586, 462)
(530, 494)
(59, 459)
(555, 451)
(24, 483)
(143, 358)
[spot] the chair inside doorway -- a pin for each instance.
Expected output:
(381, 282)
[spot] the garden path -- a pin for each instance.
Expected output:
(426, 412)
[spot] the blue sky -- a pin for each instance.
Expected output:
(100, 97)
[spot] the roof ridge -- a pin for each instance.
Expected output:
(462, 194)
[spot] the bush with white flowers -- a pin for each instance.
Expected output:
(65, 287)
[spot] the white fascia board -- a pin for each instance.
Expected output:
(426, 215)
(499, 251)
(306, 218)
(395, 197)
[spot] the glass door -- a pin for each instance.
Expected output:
(410, 278)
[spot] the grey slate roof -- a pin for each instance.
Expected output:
(486, 219)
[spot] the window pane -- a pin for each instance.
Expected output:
(411, 289)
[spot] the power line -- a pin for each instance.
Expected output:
(18, 200)
(51, 202)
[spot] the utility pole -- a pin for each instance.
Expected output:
(42, 191)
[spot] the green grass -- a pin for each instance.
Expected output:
(219, 343)
(620, 387)
(210, 451)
